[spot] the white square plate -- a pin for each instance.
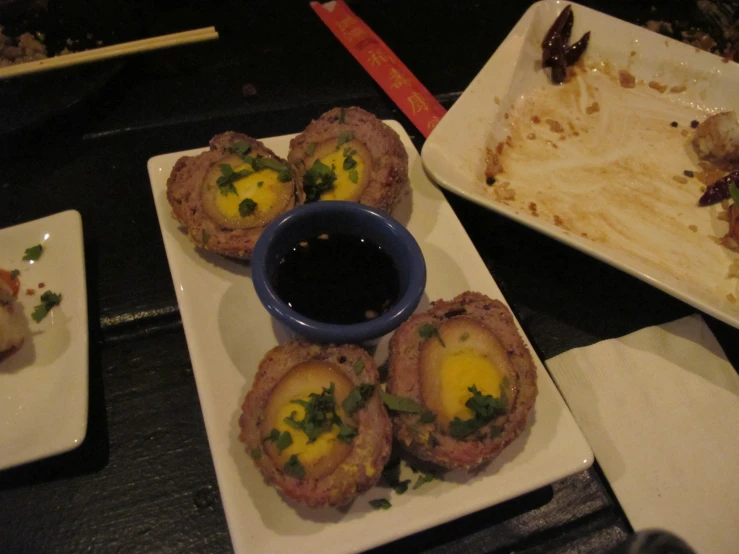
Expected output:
(228, 331)
(43, 385)
(610, 183)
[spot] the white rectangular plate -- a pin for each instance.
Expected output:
(43, 385)
(611, 182)
(228, 332)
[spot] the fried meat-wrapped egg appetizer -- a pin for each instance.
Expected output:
(465, 364)
(314, 423)
(349, 154)
(226, 196)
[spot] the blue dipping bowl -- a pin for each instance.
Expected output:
(311, 220)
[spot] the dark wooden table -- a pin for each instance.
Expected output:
(143, 480)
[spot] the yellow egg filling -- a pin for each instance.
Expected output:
(459, 371)
(344, 187)
(326, 452)
(463, 354)
(308, 453)
(347, 165)
(251, 199)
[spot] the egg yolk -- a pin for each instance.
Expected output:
(344, 187)
(327, 451)
(461, 370)
(308, 453)
(264, 188)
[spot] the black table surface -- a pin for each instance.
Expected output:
(143, 480)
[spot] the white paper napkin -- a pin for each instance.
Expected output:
(660, 408)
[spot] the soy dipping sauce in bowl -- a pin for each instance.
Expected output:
(338, 272)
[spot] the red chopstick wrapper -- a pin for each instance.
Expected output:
(416, 102)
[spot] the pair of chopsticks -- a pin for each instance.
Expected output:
(117, 50)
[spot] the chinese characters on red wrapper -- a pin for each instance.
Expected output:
(378, 60)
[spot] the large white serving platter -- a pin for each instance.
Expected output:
(44, 384)
(228, 331)
(615, 186)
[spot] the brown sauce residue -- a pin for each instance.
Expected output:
(680, 179)
(709, 173)
(680, 88)
(535, 119)
(657, 86)
(531, 136)
(593, 108)
(492, 163)
(532, 209)
(555, 126)
(626, 79)
(693, 228)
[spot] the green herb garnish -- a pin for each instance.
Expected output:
(427, 331)
(401, 403)
(247, 207)
(318, 179)
(349, 163)
(354, 176)
(346, 433)
(48, 301)
(484, 407)
(344, 137)
(206, 236)
(241, 148)
(14, 274)
(433, 441)
(357, 398)
(259, 184)
(734, 192)
(294, 468)
(32, 254)
(311, 148)
(320, 416)
(464, 336)
(427, 417)
(358, 366)
(283, 170)
(380, 504)
(402, 486)
(423, 479)
(342, 115)
(255, 453)
(228, 176)
(281, 440)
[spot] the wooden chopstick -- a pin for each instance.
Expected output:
(124, 49)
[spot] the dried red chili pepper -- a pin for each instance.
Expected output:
(574, 51)
(719, 190)
(556, 53)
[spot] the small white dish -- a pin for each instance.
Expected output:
(44, 384)
(228, 332)
(611, 184)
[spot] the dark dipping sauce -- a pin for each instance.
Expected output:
(337, 278)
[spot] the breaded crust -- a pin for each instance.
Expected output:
(404, 380)
(370, 448)
(185, 196)
(389, 174)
